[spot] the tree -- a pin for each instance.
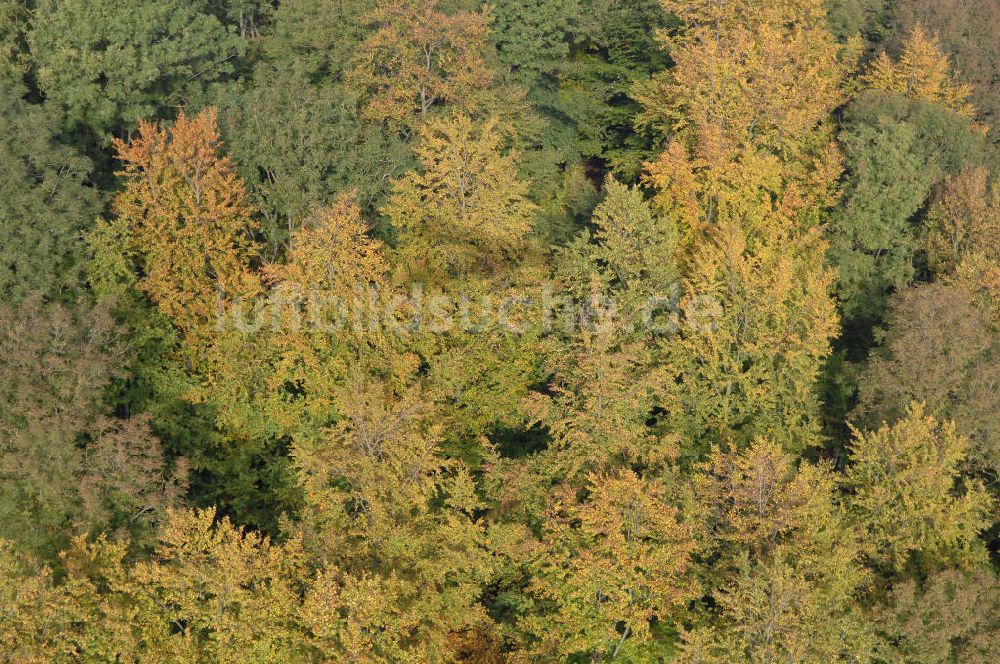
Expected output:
(45, 201)
(949, 617)
(963, 225)
(187, 222)
(211, 591)
(870, 18)
(633, 246)
(293, 128)
(275, 368)
(235, 593)
(578, 62)
(962, 28)
(320, 37)
(909, 497)
(466, 211)
(30, 628)
(612, 569)
(419, 58)
(964, 221)
(897, 151)
(110, 64)
(746, 176)
(66, 465)
(784, 571)
(922, 72)
(937, 348)
(15, 61)
(394, 523)
(299, 151)
(763, 74)
(618, 286)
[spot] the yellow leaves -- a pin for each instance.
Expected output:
(908, 496)
(188, 222)
(963, 237)
(786, 566)
(351, 616)
(758, 500)
(611, 564)
(748, 73)
(420, 58)
(746, 176)
(210, 593)
(395, 519)
(466, 211)
(332, 266)
(332, 253)
(234, 594)
(29, 600)
(922, 72)
(749, 367)
(384, 447)
(602, 400)
(635, 246)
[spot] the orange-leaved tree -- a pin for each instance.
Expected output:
(189, 225)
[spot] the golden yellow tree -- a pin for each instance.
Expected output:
(395, 524)
(419, 58)
(746, 176)
(748, 73)
(610, 568)
(910, 497)
(922, 72)
(785, 563)
(277, 366)
(466, 211)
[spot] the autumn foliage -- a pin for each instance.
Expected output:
(437, 331)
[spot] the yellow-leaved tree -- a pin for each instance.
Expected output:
(418, 59)
(395, 526)
(613, 570)
(909, 495)
(746, 175)
(921, 72)
(785, 568)
(465, 211)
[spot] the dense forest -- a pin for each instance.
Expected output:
(569, 331)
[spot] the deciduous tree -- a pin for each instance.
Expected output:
(921, 72)
(786, 570)
(908, 494)
(187, 221)
(465, 212)
(419, 58)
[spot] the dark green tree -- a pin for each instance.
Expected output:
(45, 201)
(897, 150)
(110, 63)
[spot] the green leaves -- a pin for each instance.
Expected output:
(110, 63)
(896, 151)
(45, 202)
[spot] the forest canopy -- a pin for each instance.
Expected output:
(446, 331)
